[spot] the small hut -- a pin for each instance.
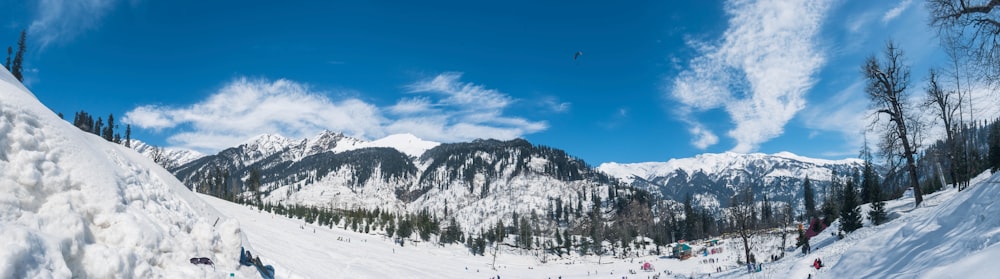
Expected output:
(682, 251)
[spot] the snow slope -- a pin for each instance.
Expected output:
(75, 205)
(300, 250)
(951, 235)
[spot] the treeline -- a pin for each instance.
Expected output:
(622, 222)
(973, 149)
(85, 122)
(15, 62)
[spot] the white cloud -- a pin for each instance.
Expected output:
(896, 11)
(856, 23)
(62, 20)
(248, 107)
(412, 106)
(846, 113)
(703, 138)
(466, 111)
(553, 104)
(461, 94)
(759, 71)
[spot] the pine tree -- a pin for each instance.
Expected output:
(128, 135)
(98, 127)
(524, 236)
(254, 182)
(17, 66)
(810, 199)
(109, 132)
(877, 214)
(869, 181)
(10, 51)
(993, 157)
(766, 214)
(850, 212)
(567, 241)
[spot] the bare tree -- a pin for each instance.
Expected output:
(974, 28)
(946, 105)
(160, 157)
(743, 217)
(887, 84)
(787, 218)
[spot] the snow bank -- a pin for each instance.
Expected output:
(953, 239)
(75, 205)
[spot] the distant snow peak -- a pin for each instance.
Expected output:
(177, 156)
(793, 156)
(711, 163)
(406, 143)
(268, 140)
(714, 176)
(326, 141)
(267, 144)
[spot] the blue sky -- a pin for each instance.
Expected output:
(657, 79)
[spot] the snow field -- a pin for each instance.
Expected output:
(927, 242)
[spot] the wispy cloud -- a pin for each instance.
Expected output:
(244, 108)
(846, 113)
(461, 94)
(703, 138)
(618, 117)
(61, 20)
(759, 71)
(464, 111)
(555, 105)
(896, 11)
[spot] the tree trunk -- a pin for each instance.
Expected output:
(746, 246)
(908, 149)
(911, 166)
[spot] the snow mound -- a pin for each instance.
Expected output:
(75, 205)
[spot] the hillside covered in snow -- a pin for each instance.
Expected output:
(74, 205)
(951, 236)
(712, 179)
(478, 183)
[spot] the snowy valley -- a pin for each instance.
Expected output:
(77, 206)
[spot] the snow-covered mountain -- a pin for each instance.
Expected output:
(175, 156)
(476, 182)
(74, 205)
(712, 178)
(482, 181)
